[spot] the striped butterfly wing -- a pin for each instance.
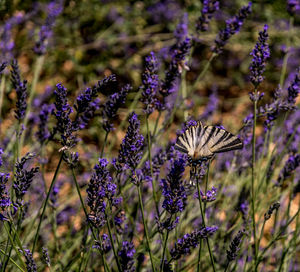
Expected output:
(220, 140)
(189, 140)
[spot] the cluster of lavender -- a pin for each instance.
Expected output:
(119, 228)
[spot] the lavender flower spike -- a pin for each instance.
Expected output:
(294, 88)
(260, 54)
(209, 7)
(273, 207)
(234, 246)
(150, 83)
(53, 10)
(30, 263)
(291, 164)
(126, 257)
(173, 189)
(189, 241)
(131, 148)
(4, 196)
(233, 26)
(114, 102)
(21, 90)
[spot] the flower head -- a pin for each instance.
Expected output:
(30, 263)
(126, 255)
(114, 102)
(234, 246)
(43, 132)
(190, 241)
(294, 88)
(53, 10)
(209, 7)
(293, 7)
(233, 26)
(260, 54)
(131, 148)
(290, 165)
(173, 189)
(45, 255)
(23, 178)
(4, 196)
(272, 208)
(21, 90)
(100, 189)
(150, 83)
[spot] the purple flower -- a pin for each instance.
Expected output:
(173, 189)
(150, 83)
(114, 102)
(100, 189)
(120, 219)
(294, 88)
(105, 86)
(186, 125)
(190, 241)
(234, 246)
(233, 26)
(131, 148)
(167, 224)
(23, 178)
(45, 256)
(126, 255)
(105, 246)
(86, 106)
(21, 90)
(53, 10)
(4, 196)
(43, 132)
(260, 54)
(290, 165)
(1, 161)
(182, 29)
(209, 196)
(293, 7)
(272, 208)
(30, 263)
(209, 7)
(62, 113)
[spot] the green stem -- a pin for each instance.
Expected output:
(46, 202)
(164, 251)
(105, 139)
(253, 179)
(20, 268)
(151, 169)
(112, 243)
(87, 218)
(36, 75)
(203, 221)
(205, 69)
(13, 245)
(286, 57)
(2, 87)
(145, 226)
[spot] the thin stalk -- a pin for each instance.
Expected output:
(164, 251)
(12, 260)
(105, 140)
(203, 221)
(205, 69)
(156, 125)
(286, 57)
(253, 178)
(151, 169)
(112, 243)
(261, 233)
(36, 75)
(227, 266)
(145, 226)
(2, 87)
(276, 237)
(13, 245)
(46, 202)
(87, 217)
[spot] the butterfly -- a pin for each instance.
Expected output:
(203, 142)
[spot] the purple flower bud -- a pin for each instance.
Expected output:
(260, 54)
(272, 208)
(209, 7)
(21, 90)
(233, 26)
(126, 255)
(234, 246)
(294, 88)
(4, 196)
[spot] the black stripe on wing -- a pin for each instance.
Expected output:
(229, 145)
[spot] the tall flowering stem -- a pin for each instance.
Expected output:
(204, 225)
(259, 55)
